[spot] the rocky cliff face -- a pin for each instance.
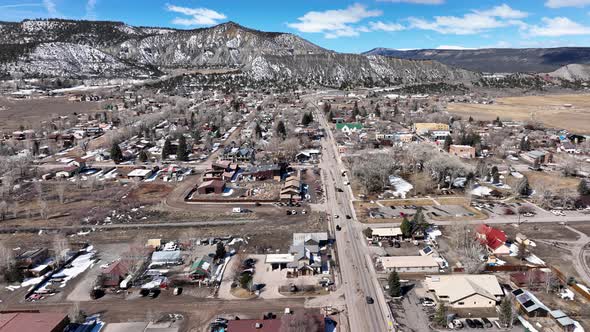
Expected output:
(50, 48)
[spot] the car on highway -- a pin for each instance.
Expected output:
(336, 216)
(348, 217)
(339, 190)
(338, 228)
(370, 300)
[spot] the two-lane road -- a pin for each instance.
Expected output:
(358, 275)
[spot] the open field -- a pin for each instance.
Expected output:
(30, 112)
(549, 110)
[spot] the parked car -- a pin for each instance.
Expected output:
(487, 323)
(455, 324)
(478, 323)
(470, 323)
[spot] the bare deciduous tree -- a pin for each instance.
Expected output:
(60, 190)
(60, 248)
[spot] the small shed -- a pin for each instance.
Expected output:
(211, 187)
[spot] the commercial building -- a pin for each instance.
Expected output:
(466, 290)
(409, 264)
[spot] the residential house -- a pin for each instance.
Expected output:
(439, 135)
(211, 187)
(534, 279)
(30, 321)
(112, 275)
(493, 239)
(291, 189)
(528, 304)
(202, 268)
(30, 258)
(349, 128)
(466, 290)
(139, 174)
(236, 154)
(462, 151)
(409, 264)
(67, 172)
(568, 147)
(263, 172)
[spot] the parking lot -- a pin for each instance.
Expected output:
(416, 310)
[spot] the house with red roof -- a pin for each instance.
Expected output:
(493, 239)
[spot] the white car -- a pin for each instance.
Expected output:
(336, 216)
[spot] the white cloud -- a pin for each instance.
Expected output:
(473, 22)
(453, 47)
(566, 3)
(51, 8)
(196, 16)
(90, 6)
(385, 26)
(504, 11)
(21, 5)
(419, 2)
(558, 26)
(335, 23)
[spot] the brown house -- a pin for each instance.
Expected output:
(30, 258)
(462, 151)
(211, 187)
(114, 274)
(33, 322)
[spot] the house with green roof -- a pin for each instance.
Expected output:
(348, 128)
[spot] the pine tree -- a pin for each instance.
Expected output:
(522, 187)
(166, 149)
(182, 150)
(307, 119)
(330, 116)
(116, 153)
(419, 223)
(583, 188)
(258, 131)
(448, 143)
(505, 316)
(525, 145)
(395, 288)
(355, 110)
(440, 317)
(143, 157)
(220, 251)
(281, 130)
(378, 111)
(406, 228)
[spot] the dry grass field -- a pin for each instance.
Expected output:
(549, 110)
(30, 112)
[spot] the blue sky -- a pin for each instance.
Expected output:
(348, 26)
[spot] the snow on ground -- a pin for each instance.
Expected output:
(402, 187)
(481, 191)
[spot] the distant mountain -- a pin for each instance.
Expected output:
(64, 48)
(506, 60)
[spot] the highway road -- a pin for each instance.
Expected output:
(359, 279)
